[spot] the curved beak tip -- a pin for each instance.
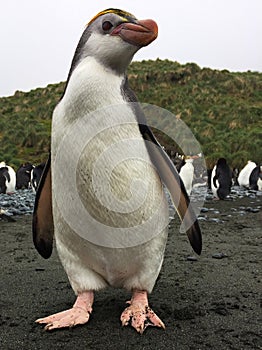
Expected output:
(150, 25)
(140, 34)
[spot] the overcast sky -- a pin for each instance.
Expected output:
(38, 37)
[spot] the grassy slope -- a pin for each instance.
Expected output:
(223, 110)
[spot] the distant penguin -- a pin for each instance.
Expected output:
(23, 176)
(8, 178)
(235, 174)
(4, 177)
(255, 179)
(221, 179)
(187, 174)
(179, 161)
(209, 174)
(243, 178)
(36, 174)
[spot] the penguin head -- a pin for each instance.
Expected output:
(112, 37)
(221, 161)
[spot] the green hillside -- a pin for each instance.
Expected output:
(223, 110)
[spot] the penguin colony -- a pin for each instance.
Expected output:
(222, 178)
(27, 176)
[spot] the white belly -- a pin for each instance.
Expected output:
(114, 220)
(243, 178)
(10, 185)
(110, 211)
(187, 175)
(213, 187)
(259, 184)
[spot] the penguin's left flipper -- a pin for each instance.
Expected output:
(174, 184)
(43, 227)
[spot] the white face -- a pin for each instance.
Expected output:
(97, 41)
(112, 51)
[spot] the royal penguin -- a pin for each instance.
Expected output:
(23, 176)
(243, 177)
(221, 179)
(8, 179)
(36, 174)
(87, 197)
(187, 174)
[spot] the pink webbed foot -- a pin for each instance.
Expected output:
(139, 314)
(78, 314)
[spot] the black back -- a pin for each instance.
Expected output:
(37, 173)
(224, 177)
(23, 176)
(253, 178)
(4, 176)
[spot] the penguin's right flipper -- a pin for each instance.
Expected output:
(172, 180)
(43, 227)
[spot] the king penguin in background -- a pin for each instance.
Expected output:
(221, 179)
(97, 79)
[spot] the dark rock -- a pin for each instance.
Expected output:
(202, 218)
(252, 210)
(6, 217)
(215, 220)
(191, 258)
(15, 211)
(209, 196)
(219, 255)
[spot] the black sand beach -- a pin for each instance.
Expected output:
(209, 303)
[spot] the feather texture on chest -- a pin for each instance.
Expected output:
(91, 86)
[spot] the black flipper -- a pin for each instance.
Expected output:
(173, 182)
(43, 227)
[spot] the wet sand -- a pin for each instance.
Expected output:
(209, 303)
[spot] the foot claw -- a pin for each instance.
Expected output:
(68, 318)
(78, 314)
(139, 314)
(140, 318)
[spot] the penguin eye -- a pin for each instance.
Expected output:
(107, 26)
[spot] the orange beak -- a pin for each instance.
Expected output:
(139, 34)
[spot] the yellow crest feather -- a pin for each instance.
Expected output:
(125, 15)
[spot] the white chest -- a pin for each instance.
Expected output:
(91, 87)
(106, 192)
